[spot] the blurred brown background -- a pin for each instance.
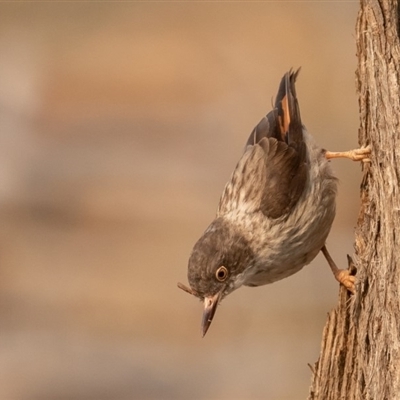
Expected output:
(119, 126)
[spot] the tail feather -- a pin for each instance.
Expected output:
(289, 118)
(284, 121)
(267, 127)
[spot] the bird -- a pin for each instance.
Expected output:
(275, 212)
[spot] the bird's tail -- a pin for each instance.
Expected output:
(289, 119)
(284, 121)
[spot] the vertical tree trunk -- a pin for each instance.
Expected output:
(360, 353)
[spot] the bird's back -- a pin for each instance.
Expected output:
(281, 195)
(272, 172)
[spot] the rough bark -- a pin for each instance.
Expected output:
(360, 352)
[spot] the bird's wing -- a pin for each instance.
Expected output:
(272, 173)
(270, 177)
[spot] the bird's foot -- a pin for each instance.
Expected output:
(362, 154)
(343, 276)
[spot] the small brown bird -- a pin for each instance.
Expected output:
(275, 212)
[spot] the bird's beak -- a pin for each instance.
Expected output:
(210, 306)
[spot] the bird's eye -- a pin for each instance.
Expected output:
(221, 274)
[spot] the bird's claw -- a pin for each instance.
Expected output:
(344, 277)
(362, 154)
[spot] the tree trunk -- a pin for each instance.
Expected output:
(360, 352)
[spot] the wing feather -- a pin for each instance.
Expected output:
(272, 173)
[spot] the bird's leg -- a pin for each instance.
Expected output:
(361, 154)
(343, 276)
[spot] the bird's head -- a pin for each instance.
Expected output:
(216, 266)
